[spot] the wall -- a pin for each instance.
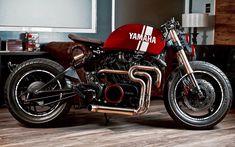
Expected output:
(225, 22)
(206, 35)
(150, 12)
(104, 16)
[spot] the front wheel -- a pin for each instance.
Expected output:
(184, 104)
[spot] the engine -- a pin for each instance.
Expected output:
(117, 79)
(117, 88)
(117, 82)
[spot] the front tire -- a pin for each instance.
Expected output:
(27, 77)
(194, 112)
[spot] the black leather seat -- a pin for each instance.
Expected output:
(77, 38)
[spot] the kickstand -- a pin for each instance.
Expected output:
(106, 119)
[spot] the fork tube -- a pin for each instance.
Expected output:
(182, 58)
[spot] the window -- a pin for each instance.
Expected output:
(48, 15)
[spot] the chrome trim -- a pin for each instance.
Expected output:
(175, 37)
(221, 90)
(146, 103)
(110, 71)
(17, 98)
(182, 58)
(79, 56)
(148, 68)
(113, 110)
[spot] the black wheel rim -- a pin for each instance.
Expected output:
(203, 111)
(36, 108)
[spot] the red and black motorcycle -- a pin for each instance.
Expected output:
(119, 76)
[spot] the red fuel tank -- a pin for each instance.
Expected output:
(135, 37)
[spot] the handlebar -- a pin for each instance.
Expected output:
(175, 39)
(172, 24)
(178, 40)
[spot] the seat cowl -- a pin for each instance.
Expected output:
(77, 38)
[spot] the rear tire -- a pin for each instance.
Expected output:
(31, 75)
(193, 112)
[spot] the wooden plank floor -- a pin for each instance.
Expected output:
(82, 128)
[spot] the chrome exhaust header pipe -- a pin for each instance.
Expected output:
(147, 68)
(113, 110)
(145, 94)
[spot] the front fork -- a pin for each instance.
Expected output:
(182, 58)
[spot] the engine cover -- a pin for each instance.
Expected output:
(135, 37)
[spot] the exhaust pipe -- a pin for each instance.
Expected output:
(145, 94)
(114, 94)
(113, 110)
(147, 68)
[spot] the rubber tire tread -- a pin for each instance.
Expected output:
(206, 124)
(9, 98)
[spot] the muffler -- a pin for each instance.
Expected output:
(114, 94)
(113, 110)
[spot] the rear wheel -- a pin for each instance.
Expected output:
(21, 85)
(188, 108)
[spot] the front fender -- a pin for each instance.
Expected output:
(178, 70)
(170, 79)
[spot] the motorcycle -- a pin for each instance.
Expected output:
(119, 77)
